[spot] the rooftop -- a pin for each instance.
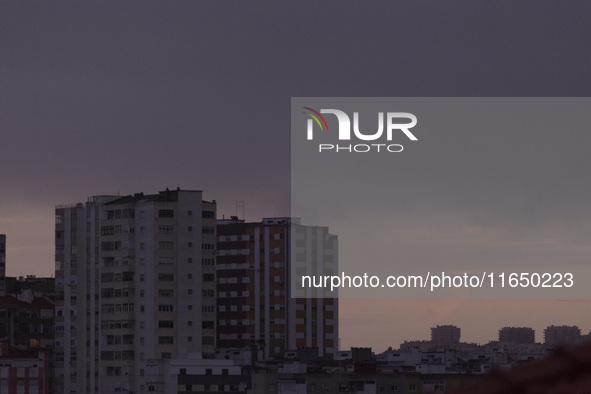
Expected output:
(163, 196)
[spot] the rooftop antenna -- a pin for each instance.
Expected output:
(241, 205)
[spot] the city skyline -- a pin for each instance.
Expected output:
(102, 98)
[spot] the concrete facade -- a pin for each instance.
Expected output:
(517, 335)
(135, 283)
(256, 306)
(445, 335)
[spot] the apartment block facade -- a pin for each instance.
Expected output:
(517, 335)
(24, 371)
(135, 285)
(561, 335)
(256, 303)
(445, 335)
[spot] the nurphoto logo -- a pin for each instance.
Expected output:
(393, 127)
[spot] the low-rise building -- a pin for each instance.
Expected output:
(24, 371)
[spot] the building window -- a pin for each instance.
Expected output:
(166, 229)
(165, 308)
(166, 277)
(165, 323)
(107, 230)
(166, 293)
(165, 245)
(166, 213)
(208, 214)
(128, 213)
(114, 214)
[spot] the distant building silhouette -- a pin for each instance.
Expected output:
(445, 335)
(517, 335)
(561, 335)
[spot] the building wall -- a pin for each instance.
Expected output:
(77, 232)
(255, 307)
(561, 335)
(517, 335)
(448, 335)
(24, 373)
(130, 280)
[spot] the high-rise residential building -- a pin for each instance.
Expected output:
(561, 335)
(517, 335)
(256, 304)
(2, 264)
(445, 335)
(135, 285)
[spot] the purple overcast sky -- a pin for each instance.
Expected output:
(121, 97)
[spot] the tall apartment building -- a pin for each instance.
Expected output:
(445, 335)
(561, 335)
(135, 285)
(517, 335)
(255, 303)
(24, 371)
(2, 264)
